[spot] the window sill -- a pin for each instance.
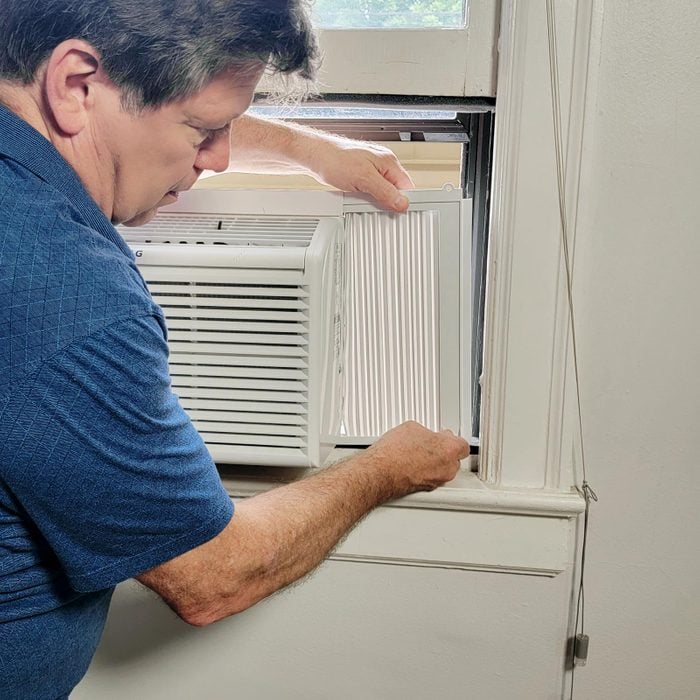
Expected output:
(465, 525)
(465, 493)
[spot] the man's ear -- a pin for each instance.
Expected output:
(70, 80)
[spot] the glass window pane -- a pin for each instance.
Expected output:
(390, 14)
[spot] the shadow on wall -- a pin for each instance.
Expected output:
(139, 625)
(141, 628)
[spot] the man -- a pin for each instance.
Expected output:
(110, 110)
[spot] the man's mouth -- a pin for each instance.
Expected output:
(173, 193)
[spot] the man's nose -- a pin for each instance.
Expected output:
(215, 155)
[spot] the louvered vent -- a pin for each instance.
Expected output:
(239, 361)
(211, 229)
(392, 319)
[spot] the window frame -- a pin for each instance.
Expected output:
(524, 490)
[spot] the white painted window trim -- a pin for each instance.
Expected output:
(527, 436)
(516, 514)
(436, 62)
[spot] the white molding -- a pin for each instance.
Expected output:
(524, 432)
(494, 567)
(466, 493)
(502, 228)
(488, 499)
(460, 540)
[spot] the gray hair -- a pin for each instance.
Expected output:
(160, 50)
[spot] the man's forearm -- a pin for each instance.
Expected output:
(270, 146)
(267, 146)
(299, 524)
(276, 537)
(273, 539)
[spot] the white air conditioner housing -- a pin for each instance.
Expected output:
(298, 321)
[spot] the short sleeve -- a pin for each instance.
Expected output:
(104, 460)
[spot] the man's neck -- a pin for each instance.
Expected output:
(28, 103)
(23, 101)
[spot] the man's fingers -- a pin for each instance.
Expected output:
(384, 192)
(362, 167)
(398, 176)
(395, 174)
(464, 449)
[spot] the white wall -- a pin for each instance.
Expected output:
(351, 632)
(380, 632)
(638, 286)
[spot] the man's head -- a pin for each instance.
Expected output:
(139, 96)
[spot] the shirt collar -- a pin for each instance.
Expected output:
(26, 146)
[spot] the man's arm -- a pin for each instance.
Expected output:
(268, 146)
(276, 537)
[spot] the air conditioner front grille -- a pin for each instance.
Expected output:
(239, 361)
(214, 229)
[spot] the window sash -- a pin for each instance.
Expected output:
(435, 62)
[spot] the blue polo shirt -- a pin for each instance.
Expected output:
(102, 475)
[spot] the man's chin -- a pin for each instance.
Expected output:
(141, 219)
(146, 216)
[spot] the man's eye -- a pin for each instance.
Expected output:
(210, 134)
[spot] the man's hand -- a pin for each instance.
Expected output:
(267, 146)
(418, 459)
(356, 166)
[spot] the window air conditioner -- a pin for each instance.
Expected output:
(298, 321)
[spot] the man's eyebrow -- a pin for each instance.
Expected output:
(199, 123)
